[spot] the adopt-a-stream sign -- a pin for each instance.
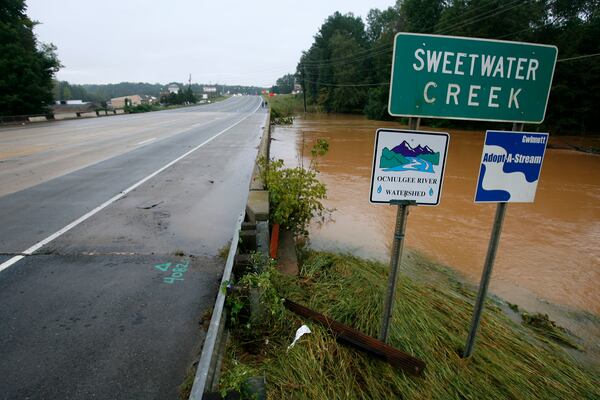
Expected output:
(510, 166)
(452, 77)
(408, 165)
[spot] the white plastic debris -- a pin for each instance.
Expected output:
(299, 333)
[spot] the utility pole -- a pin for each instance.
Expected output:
(304, 85)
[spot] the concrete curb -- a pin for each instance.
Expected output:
(62, 116)
(37, 119)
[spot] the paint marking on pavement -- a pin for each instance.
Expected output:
(122, 194)
(147, 141)
(177, 273)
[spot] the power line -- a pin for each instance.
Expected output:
(444, 24)
(476, 18)
(388, 48)
(579, 57)
(468, 21)
(349, 84)
(486, 15)
(355, 57)
(388, 83)
(384, 48)
(465, 22)
(528, 29)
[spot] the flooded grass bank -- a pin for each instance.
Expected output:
(430, 321)
(549, 260)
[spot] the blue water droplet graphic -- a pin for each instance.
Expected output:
(379, 189)
(431, 191)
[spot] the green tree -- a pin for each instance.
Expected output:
(326, 66)
(491, 19)
(27, 67)
(420, 15)
(381, 28)
(347, 98)
(347, 68)
(66, 93)
(189, 95)
(285, 84)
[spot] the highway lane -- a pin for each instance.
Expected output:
(111, 308)
(53, 204)
(38, 152)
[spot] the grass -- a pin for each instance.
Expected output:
(179, 253)
(224, 251)
(430, 321)
(548, 328)
(285, 106)
(218, 98)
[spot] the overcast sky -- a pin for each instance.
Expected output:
(219, 41)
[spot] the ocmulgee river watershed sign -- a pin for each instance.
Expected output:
(469, 78)
(408, 165)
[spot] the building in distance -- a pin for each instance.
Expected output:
(173, 88)
(132, 100)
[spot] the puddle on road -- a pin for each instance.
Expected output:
(549, 249)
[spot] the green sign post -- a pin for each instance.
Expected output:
(467, 78)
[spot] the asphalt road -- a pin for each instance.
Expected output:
(108, 260)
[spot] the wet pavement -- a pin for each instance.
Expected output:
(112, 309)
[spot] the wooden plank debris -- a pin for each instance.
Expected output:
(349, 335)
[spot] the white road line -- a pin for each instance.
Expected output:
(102, 206)
(147, 141)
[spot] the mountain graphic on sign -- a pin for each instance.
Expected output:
(406, 158)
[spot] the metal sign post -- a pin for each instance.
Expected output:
(395, 260)
(519, 192)
(485, 277)
(408, 169)
(397, 247)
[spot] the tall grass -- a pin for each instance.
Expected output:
(430, 321)
(287, 106)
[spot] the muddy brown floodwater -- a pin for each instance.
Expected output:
(549, 250)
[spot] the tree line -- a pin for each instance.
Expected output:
(185, 96)
(28, 67)
(284, 85)
(347, 68)
(103, 92)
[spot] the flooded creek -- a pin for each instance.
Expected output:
(549, 253)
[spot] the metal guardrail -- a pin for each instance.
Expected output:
(18, 119)
(204, 365)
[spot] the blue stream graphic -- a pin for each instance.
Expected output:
(416, 164)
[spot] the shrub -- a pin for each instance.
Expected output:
(140, 108)
(295, 194)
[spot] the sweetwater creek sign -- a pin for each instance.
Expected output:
(466, 78)
(408, 165)
(510, 166)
